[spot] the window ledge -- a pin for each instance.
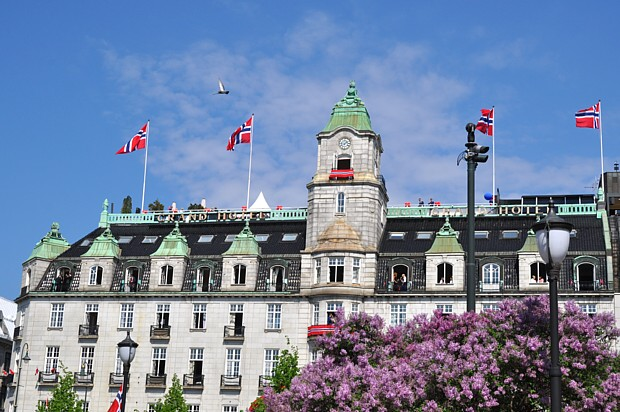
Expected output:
(271, 330)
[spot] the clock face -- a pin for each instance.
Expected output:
(344, 143)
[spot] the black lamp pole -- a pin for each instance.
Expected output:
(552, 238)
(126, 351)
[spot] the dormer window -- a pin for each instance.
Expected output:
(149, 239)
(239, 275)
(166, 277)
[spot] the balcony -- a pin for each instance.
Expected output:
(231, 382)
(116, 379)
(232, 332)
(83, 379)
(341, 174)
(48, 378)
(160, 332)
(8, 379)
(192, 381)
(155, 381)
(319, 330)
(17, 333)
(264, 381)
(88, 331)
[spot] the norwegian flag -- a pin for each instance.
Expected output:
(116, 404)
(137, 142)
(485, 124)
(243, 134)
(589, 118)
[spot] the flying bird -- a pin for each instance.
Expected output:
(222, 89)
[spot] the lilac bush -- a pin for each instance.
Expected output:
(493, 361)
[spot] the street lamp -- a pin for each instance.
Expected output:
(126, 351)
(552, 239)
(21, 360)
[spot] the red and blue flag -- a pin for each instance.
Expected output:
(485, 124)
(116, 404)
(137, 142)
(243, 134)
(590, 117)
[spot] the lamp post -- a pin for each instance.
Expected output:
(21, 360)
(552, 239)
(126, 351)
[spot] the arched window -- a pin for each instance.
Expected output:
(276, 278)
(586, 276)
(444, 273)
(400, 277)
(133, 279)
(167, 273)
(340, 202)
(239, 275)
(96, 275)
(203, 279)
(62, 281)
(491, 276)
(538, 272)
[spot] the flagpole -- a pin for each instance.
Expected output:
(600, 131)
(146, 156)
(247, 201)
(493, 155)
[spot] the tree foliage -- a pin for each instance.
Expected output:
(283, 373)
(195, 206)
(493, 361)
(156, 205)
(64, 398)
(127, 205)
(173, 399)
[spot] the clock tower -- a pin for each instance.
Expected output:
(347, 195)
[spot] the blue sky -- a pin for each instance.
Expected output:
(80, 78)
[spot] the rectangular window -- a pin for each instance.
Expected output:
(445, 309)
(126, 318)
(193, 408)
(196, 359)
(340, 203)
(233, 362)
(51, 359)
(166, 276)
(271, 360)
(336, 269)
(229, 408)
(57, 315)
(118, 365)
(125, 239)
(314, 355)
(481, 234)
(355, 276)
(163, 315)
(488, 307)
(424, 235)
(152, 407)
(289, 237)
(159, 362)
(332, 309)
(200, 316)
(205, 238)
(398, 314)
(589, 308)
(317, 270)
(355, 307)
(510, 234)
(86, 360)
(315, 314)
(96, 275)
(230, 238)
(396, 235)
(149, 239)
(274, 316)
(261, 237)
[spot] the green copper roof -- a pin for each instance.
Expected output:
(103, 219)
(350, 111)
(175, 244)
(105, 245)
(530, 241)
(446, 240)
(51, 246)
(244, 244)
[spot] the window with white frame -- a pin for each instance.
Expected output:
(315, 314)
(126, 317)
(193, 408)
(445, 309)
(196, 359)
(96, 275)
(118, 365)
(166, 276)
(355, 307)
(159, 362)
(491, 275)
(52, 355)
(203, 279)
(233, 361)
(199, 316)
(57, 315)
(317, 270)
(332, 309)
(490, 307)
(444, 273)
(398, 314)
(277, 278)
(336, 269)
(314, 355)
(87, 358)
(229, 408)
(538, 272)
(91, 313)
(274, 316)
(340, 203)
(163, 315)
(271, 361)
(589, 308)
(355, 274)
(239, 275)
(152, 408)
